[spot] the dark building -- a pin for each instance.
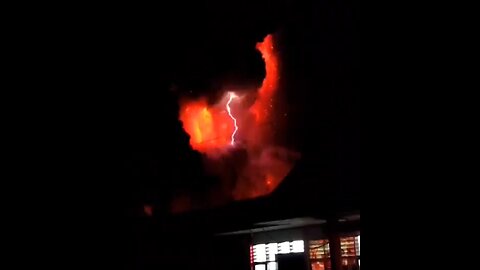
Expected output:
(305, 243)
(286, 229)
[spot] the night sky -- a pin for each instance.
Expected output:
(151, 60)
(122, 68)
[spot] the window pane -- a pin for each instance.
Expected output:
(260, 267)
(272, 250)
(348, 246)
(284, 248)
(272, 266)
(357, 245)
(318, 266)
(297, 246)
(259, 253)
(319, 249)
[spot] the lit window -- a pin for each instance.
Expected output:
(267, 253)
(259, 253)
(319, 249)
(297, 246)
(260, 267)
(348, 245)
(358, 247)
(318, 266)
(272, 250)
(284, 248)
(272, 266)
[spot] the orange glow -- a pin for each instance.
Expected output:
(270, 82)
(269, 181)
(261, 107)
(211, 129)
(318, 266)
(208, 127)
(232, 123)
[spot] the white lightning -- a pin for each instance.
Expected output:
(232, 96)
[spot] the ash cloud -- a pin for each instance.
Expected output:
(256, 163)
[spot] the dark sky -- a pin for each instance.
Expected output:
(133, 64)
(107, 74)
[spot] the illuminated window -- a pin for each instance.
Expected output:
(318, 266)
(320, 254)
(272, 266)
(272, 250)
(260, 267)
(350, 251)
(297, 246)
(259, 253)
(319, 249)
(284, 248)
(348, 246)
(357, 245)
(267, 253)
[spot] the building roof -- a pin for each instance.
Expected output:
(302, 199)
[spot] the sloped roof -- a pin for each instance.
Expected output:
(302, 198)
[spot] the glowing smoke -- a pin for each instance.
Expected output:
(238, 138)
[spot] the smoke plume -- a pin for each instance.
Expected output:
(238, 138)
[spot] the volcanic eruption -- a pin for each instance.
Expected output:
(237, 136)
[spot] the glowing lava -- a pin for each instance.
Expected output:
(232, 96)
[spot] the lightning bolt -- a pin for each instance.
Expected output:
(232, 96)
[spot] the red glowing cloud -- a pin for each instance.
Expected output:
(209, 127)
(231, 124)
(261, 107)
